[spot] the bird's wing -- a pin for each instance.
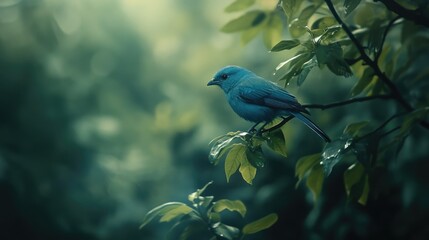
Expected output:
(270, 95)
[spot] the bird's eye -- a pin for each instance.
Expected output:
(224, 76)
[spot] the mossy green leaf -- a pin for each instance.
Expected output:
(231, 205)
(260, 224)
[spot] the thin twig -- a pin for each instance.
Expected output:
(346, 102)
(383, 40)
(384, 124)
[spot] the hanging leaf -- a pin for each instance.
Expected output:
(304, 164)
(356, 183)
(249, 34)
(363, 82)
(307, 12)
(306, 68)
(233, 206)
(260, 224)
(315, 180)
(297, 27)
(244, 22)
(239, 5)
(276, 141)
(234, 159)
(247, 170)
(285, 45)
(332, 56)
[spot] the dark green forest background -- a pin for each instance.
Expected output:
(105, 114)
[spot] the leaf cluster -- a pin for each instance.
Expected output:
(201, 218)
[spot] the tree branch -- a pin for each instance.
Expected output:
(394, 90)
(346, 102)
(417, 16)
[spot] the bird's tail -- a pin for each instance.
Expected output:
(312, 126)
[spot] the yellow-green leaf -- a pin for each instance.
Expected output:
(260, 224)
(160, 211)
(231, 205)
(234, 159)
(246, 21)
(285, 44)
(304, 164)
(248, 172)
(273, 31)
(175, 212)
(356, 179)
(239, 5)
(315, 180)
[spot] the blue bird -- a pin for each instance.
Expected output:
(258, 100)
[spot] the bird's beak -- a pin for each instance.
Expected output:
(212, 82)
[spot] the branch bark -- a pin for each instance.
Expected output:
(417, 16)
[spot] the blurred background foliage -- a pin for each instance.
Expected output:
(105, 114)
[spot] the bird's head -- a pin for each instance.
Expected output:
(229, 76)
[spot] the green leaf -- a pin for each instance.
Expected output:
(315, 180)
(273, 30)
(176, 212)
(249, 34)
(306, 68)
(363, 82)
(255, 156)
(234, 159)
(297, 27)
(247, 170)
(350, 5)
(304, 164)
(285, 44)
(296, 64)
(353, 129)
(239, 5)
(307, 12)
(226, 231)
(356, 183)
(160, 211)
(334, 152)
(276, 141)
(412, 119)
(290, 7)
(375, 36)
(324, 23)
(332, 56)
(244, 22)
(260, 224)
(205, 201)
(236, 205)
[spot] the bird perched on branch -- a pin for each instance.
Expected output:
(258, 100)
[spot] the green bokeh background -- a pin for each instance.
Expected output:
(105, 114)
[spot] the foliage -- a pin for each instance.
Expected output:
(359, 46)
(202, 218)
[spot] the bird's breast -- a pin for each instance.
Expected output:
(251, 112)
